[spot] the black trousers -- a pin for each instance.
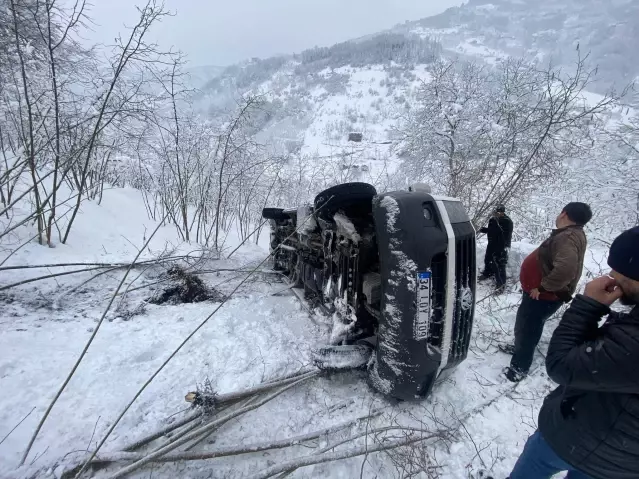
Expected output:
(495, 263)
(531, 318)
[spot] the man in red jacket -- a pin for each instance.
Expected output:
(549, 277)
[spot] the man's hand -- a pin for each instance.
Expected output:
(603, 289)
(534, 294)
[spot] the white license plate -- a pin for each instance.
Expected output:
(422, 320)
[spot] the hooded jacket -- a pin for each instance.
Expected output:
(592, 419)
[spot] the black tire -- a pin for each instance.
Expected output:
(340, 358)
(274, 214)
(330, 201)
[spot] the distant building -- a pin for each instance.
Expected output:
(356, 137)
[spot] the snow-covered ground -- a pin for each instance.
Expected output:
(255, 337)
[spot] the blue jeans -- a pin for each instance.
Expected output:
(529, 325)
(539, 461)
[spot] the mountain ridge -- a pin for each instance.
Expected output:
(547, 30)
(315, 98)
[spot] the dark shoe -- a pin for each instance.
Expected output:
(513, 375)
(480, 475)
(484, 277)
(507, 348)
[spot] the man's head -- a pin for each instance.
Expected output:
(500, 210)
(574, 214)
(624, 261)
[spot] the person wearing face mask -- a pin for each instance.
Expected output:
(589, 425)
(549, 277)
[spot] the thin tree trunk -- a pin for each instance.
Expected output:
(31, 144)
(147, 17)
(56, 104)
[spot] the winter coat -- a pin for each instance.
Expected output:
(555, 267)
(592, 419)
(499, 232)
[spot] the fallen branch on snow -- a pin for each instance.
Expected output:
(214, 400)
(83, 270)
(235, 450)
(314, 459)
(208, 427)
(161, 432)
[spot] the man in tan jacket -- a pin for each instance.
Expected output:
(549, 277)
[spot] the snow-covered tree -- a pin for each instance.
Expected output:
(64, 110)
(494, 135)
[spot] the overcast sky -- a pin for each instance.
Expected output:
(214, 32)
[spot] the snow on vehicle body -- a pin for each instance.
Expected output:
(399, 267)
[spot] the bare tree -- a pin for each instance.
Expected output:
(27, 127)
(489, 136)
(113, 101)
(61, 122)
(232, 143)
(626, 157)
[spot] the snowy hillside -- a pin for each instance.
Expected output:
(316, 99)
(546, 30)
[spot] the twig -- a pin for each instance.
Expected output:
(158, 261)
(157, 434)
(128, 287)
(461, 423)
(180, 435)
(18, 249)
(303, 370)
(84, 283)
(60, 265)
(16, 426)
(351, 439)
(204, 436)
(246, 239)
(239, 395)
(179, 412)
(361, 470)
(48, 276)
(337, 456)
(38, 456)
(93, 433)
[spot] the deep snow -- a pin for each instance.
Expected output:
(255, 336)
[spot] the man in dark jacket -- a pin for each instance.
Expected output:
(549, 277)
(590, 424)
(499, 232)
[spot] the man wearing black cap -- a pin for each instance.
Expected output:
(590, 424)
(499, 232)
(549, 277)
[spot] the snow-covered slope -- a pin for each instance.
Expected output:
(256, 336)
(313, 101)
(549, 30)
